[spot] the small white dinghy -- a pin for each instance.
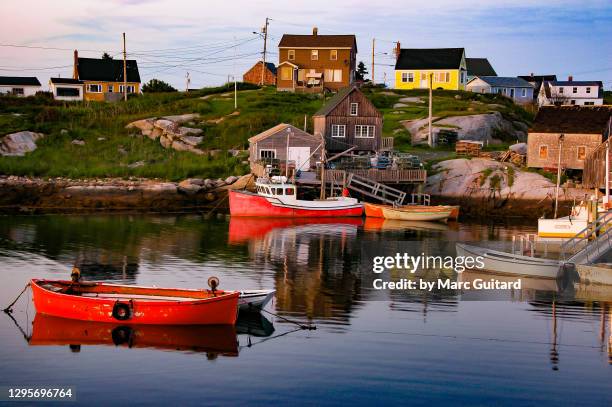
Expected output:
(254, 300)
(514, 264)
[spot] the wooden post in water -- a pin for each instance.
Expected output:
(561, 136)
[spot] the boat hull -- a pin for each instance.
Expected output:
(160, 309)
(254, 300)
(376, 211)
(507, 263)
(249, 204)
(416, 215)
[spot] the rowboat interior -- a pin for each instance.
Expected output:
(110, 291)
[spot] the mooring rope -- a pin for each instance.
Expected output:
(308, 327)
(9, 309)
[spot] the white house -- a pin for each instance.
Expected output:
(66, 88)
(516, 89)
(19, 85)
(571, 92)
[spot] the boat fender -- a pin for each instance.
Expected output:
(122, 311)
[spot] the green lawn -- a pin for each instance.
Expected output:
(109, 148)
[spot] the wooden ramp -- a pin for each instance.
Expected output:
(375, 190)
(591, 244)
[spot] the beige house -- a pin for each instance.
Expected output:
(573, 131)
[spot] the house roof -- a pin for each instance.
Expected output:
(334, 101)
(538, 78)
(271, 67)
(107, 70)
(430, 58)
(19, 80)
(276, 129)
(479, 67)
(66, 81)
(318, 41)
(505, 82)
(572, 119)
(576, 83)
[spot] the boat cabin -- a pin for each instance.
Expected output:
(275, 190)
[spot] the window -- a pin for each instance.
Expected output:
(333, 75)
(18, 91)
(588, 90)
(589, 103)
(581, 152)
(60, 91)
(524, 92)
(364, 131)
(94, 88)
(314, 54)
(574, 90)
(267, 154)
(110, 88)
(561, 90)
(573, 102)
(291, 55)
(462, 77)
(338, 130)
(333, 55)
(543, 152)
(354, 109)
(423, 76)
(408, 77)
(289, 191)
(442, 77)
(130, 88)
(286, 73)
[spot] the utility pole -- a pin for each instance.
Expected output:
(373, 44)
(263, 65)
(430, 135)
(124, 70)
(187, 82)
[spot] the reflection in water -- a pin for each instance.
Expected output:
(537, 339)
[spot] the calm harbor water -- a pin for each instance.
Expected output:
(546, 344)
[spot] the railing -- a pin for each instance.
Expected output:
(383, 176)
(596, 237)
(386, 143)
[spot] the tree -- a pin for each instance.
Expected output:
(156, 85)
(361, 72)
(106, 55)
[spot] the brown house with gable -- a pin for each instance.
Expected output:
(350, 119)
(314, 63)
(576, 130)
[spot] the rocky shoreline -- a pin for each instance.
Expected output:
(61, 195)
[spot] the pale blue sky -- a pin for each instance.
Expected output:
(172, 37)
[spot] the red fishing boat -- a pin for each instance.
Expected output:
(101, 302)
(275, 197)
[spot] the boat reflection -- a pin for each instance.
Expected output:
(215, 341)
(382, 225)
(531, 287)
(243, 229)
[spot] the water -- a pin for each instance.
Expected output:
(418, 347)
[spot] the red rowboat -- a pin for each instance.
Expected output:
(212, 339)
(103, 302)
(278, 199)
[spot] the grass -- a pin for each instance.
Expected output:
(109, 148)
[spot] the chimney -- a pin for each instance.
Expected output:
(315, 31)
(75, 72)
(570, 78)
(398, 49)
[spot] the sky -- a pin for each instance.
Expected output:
(212, 40)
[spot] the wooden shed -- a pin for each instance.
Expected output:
(284, 144)
(349, 119)
(575, 131)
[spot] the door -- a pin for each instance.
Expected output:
(424, 83)
(511, 93)
(301, 157)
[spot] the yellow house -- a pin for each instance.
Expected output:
(440, 68)
(103, 78)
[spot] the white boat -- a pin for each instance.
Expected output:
(254, 300)
(567, 227)
(513, 264)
